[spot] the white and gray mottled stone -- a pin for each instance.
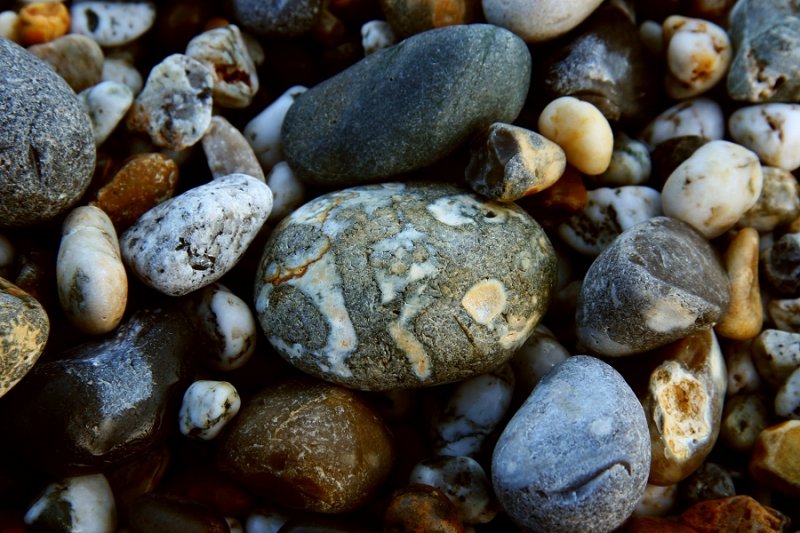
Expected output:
(376, 35)
(207, 407)
(75, 504)
(776, 355)
(778, 203)
(263, 132)
(787, 399)
(656, 283)
(630, 163)
(106, 104)
(539, 20)
(698, 116)
(121, 70)
(193, 239)
(576, 455)
(112, 23)
(396, 288)
(24, 330)
(228, 152)
(770, 130)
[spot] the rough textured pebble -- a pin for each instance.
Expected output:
(742, 374)
(207, 407)
(539, 20)
(776, 355)
(775, 460)
(106, 104)
(76, 58)
(228, 152)
(463, 480)
(41, 22)
(778, 203)
(736, 513)
(785, 314)
(744, 418)
(709, 482)
(421, 507)
(83, 503)
(780, 263)
(112, 23)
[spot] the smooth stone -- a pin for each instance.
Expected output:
(576, 455)
(657, 501)
(787, 399)
(91, 279)
(656, 283)
(41, 22)
(778, 203)
(780, 264)
(48, 165)
(408, 17)
(630, 163)
(307, 445)
(700, 117)
(652, 36)
(538, 20)
(508, 162)
(668, 155)
(463, 480)
(771, 131)
(785, 314)
(376, 35)
(83, 503)
(263, 132)
(683, 403)
(608, 213)
(288, 192)
(766, 37)
(207, 408)
(277, 19)
(76, 58)
(106, 104)
(709, 482)
(396, 288)
(775, 461)
(540, 353)
(174, 108)
(195, 238)
(413, 104)
(698, 55)
(9, 25)
(224, 51)
(714, 188)
(158, 512)
(744, 418)
(744, 317)
(581, 130)
(776, 355)
(421, 507)
(139, 476)
(742, 374)
(266, 519)
(735, 513)
(37, 272)
(24, 330)
(112, 23)
(228, 152)
(121, 70)
(104, 403)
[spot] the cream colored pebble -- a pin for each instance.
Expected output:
(698, 116)
(288, 191)
(582, 132)
(375, 35)
(9, 22)
(263, 132)
(770, 130)
(744, 317)
(207, 407)
(698, 55)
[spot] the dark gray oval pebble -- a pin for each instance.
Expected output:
(277, 18)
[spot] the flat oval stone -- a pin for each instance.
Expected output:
(539, 20)
(76, 58)
(47, 165)
(576, 455)
(656, 283)
(228, 152)
(407, 106)
(395, 286)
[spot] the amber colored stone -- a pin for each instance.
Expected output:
(408, 17)
(143, 182)
(744, 316)
(776, 458)
(737, 514)
(651, 524)
(566, 197)
(216, 22)
(421, 508)
(42, 22)
(211, 489)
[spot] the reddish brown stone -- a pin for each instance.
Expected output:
(652, 524)
(565, 197)
(737, 514)
(421, 508)
(42, 22)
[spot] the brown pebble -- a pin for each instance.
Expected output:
(211, 489)
(421, 508)
(157, 512)
(42, 22)
(743, 419)
(744, 316)
(228, 152)
(408, 17)
(134, 479)
(565, 197)
(776, 458)
(76, 58)
(737, 514)
(651, 524)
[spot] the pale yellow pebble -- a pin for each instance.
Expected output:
(582, 132)
(744, 316)
(9, 25)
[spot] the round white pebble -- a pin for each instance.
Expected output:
(263, 132)
(288, 191)
(770, 130)
(87, 502)
(207, 406)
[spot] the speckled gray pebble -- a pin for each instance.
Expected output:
(657, 282)
(277, 18)
(46, 165)
(406, 106)
(576, 455)
(392, 286)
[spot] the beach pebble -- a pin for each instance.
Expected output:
(668, 155)
(396, 288)
(106, 104)
(713, 188)
(7, 257)
(684, 401)
(540, 353)
(24, 329)
(787, 399)
(308, 445)
(656, 283)
(75, 504)
(162, 512)
(538, 20)
(735, 513)
(463, 480)
(508, 162)
(390, 103)
(771, 131)
(744, 317)
(376, 35)
(581, 130)
(92, 283)
(122, 71)
(225, 53)
(288, 191)
(652, 36)
(785, 314)
(41, 22)
(472, 413)
(263, 132)
(143, 182)
(698, 116)
(780, 264)
(744, 418)
(742, 374)
(709, 482)
(207, 407)
(576, 455)
(228, 152)
(775, 461)
(776, 355)
(766, 37)
(421, 507)
(112, 23)
(657, 501)
(226, 325)
(174, 107)
(778, 203)
(48, 164)
(698, 55)
(630, 163)
(195, 238)
(277, 19)
(407, 17)
(265, 519)
(609, 212)
(9, 25)
(76, 58)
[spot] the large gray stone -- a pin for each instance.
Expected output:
(406, 106)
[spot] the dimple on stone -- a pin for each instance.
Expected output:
(485, 300)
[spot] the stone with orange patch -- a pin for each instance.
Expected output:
(698, 55)
(419, 507)
(733, 515)
(42, 22)
(408, 17)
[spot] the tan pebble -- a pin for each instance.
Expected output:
(776, 354)
(776, 458)
(657, 500)
(582, 132)
(785, 314)
(228, 152)
(742, 373)
(744, 315)
(743, 419)
(76, 58)
(42, 22)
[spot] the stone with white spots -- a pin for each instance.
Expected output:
(698, 116)
(288, 191)
(112, 23)
(656, 283)
(106, 104)
(776, 355)
(226, 324)
(193, 239)
(121, 70)
(174, 107)
(461, 479)
(375, 35)
(207, 407)
(228, 152)
(540, 353)
(770, 130)
(785, 313)
(742, 374)
(698, 55)
(539, 20)
(581, 130)
(263, 132)
(92, 283)
(787, 399)
(778, 203)
(714, 188)
(630, 163)
(395, 286)
(225, 53)
(576, 455)
(76, 504)
(609, 212)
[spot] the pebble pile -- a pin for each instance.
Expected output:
(391, 265)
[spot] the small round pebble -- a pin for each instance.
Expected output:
(776, 355)
(709, 482)
(421, 507)
(106, 104)
(698, 116)
(122, 71)
(630, 163)
(698, 55)
(540, 353)
(228, 152)
(41, 22)
(112, 23)
(780, 263)
(744, 418)
(76, 504)
(9, 25)
(771, 131)
(207, 407)
(376, 35)
(539, 20)
(288, 191)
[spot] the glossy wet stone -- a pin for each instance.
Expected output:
(539, 20)
(421, 507)
(83, 503)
